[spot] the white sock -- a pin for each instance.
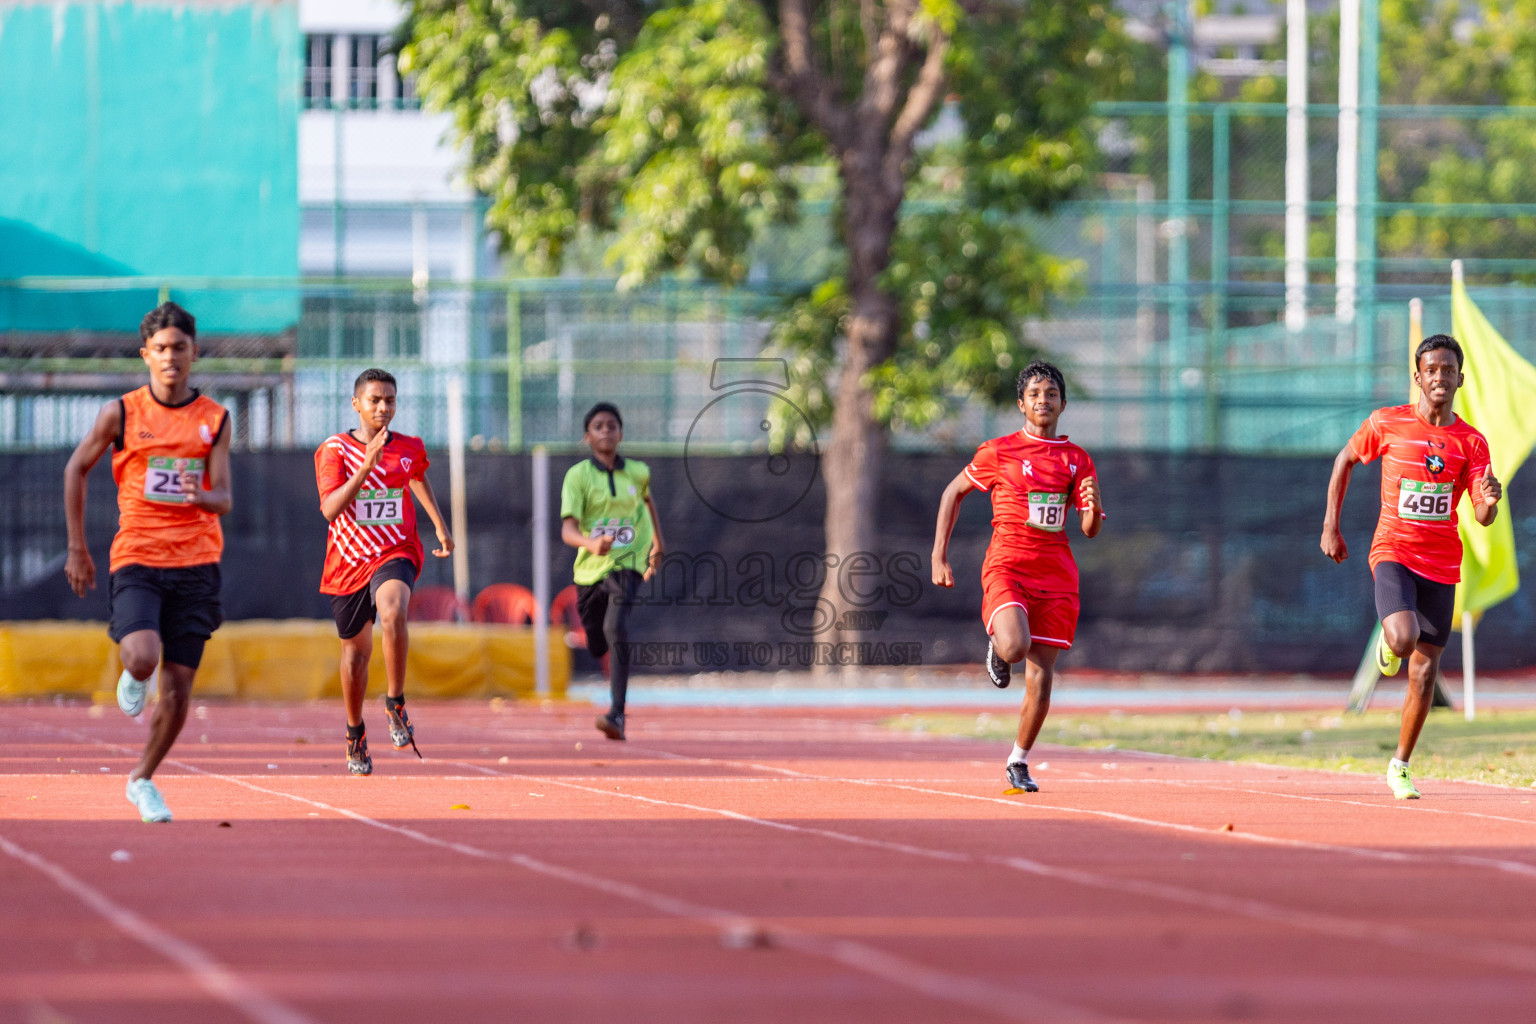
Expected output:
(1019, 755)
(1395, 763)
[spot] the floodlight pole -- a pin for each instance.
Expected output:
(1346, 236)
(541, 527)
(1178, 218)
(1296, 165)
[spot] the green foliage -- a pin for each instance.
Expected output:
(966, 285)
(661, 129)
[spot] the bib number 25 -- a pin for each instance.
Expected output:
(162, 479)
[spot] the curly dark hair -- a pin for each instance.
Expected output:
(1041, 368)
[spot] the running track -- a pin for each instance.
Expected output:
(778, 865)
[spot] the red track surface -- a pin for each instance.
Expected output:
(785, 866)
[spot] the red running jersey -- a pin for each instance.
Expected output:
(1034, 483)
(1424, 472)
(380, 523)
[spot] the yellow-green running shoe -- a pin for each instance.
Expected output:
(1387, 663)
(1402, 785)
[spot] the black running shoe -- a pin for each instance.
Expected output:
(998, 670)
(1019, 780)
(358, 761)
(401, 732)
(611, 726)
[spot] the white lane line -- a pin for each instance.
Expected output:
(1011, 1004)
(1367, 853)
(1395, 806)
(1008, 1003)
(1517, 957)
(213, 977)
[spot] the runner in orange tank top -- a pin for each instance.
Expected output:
(1430, 457)
(171, 466)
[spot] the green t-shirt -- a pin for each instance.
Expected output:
(609, 502)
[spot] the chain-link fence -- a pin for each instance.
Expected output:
(1176, 339)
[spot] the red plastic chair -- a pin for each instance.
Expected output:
(437, 604)
(563, 610)
(504, 602)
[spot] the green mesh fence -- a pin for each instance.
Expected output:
(1174, 341)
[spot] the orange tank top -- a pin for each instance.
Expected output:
(155, 525)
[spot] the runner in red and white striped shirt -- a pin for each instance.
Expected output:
(372, 553)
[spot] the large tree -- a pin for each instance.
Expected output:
(681, 129)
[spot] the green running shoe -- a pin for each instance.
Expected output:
(1402, 785)
(1387, 663)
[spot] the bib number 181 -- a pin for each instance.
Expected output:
(1048, 511)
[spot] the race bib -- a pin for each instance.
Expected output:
(162, 478)
(1048, 511)
(383, 507)
(1423, 501)
(621, 530)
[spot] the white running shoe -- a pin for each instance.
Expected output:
(143, 795)
(131, 694)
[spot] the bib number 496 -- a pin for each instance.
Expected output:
(1424, 501)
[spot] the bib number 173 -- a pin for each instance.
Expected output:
(382, 507)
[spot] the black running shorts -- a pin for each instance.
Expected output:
(1399, 588)
(592, 601)
(356, 610)
(180, 604)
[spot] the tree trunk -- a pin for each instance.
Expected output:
(856, 448)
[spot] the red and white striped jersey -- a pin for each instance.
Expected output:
(380, 524)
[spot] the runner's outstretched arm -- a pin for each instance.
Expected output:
(658, 546)
(79, 569)
(218, 497)
(949, 511)
(1333, 541)
(422, 489)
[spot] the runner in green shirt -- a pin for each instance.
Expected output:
(607, 515)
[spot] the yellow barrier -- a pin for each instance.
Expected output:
(290, 659)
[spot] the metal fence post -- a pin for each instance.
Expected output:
(1221, 228)
(1178, 222)
(514, 368)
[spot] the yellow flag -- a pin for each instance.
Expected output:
(1497, 399)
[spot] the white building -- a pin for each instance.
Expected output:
(380, 185)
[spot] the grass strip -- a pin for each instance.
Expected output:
(1499, 747)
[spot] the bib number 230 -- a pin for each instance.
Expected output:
(383, 507)
(1048, 511)
(162, 478)
(1424, 501)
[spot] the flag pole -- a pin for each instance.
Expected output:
(1468, 667)
(1468, 651)
(1416, 335)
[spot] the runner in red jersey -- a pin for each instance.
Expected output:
(1028, 578)
(372, 552)
(1430, 457)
